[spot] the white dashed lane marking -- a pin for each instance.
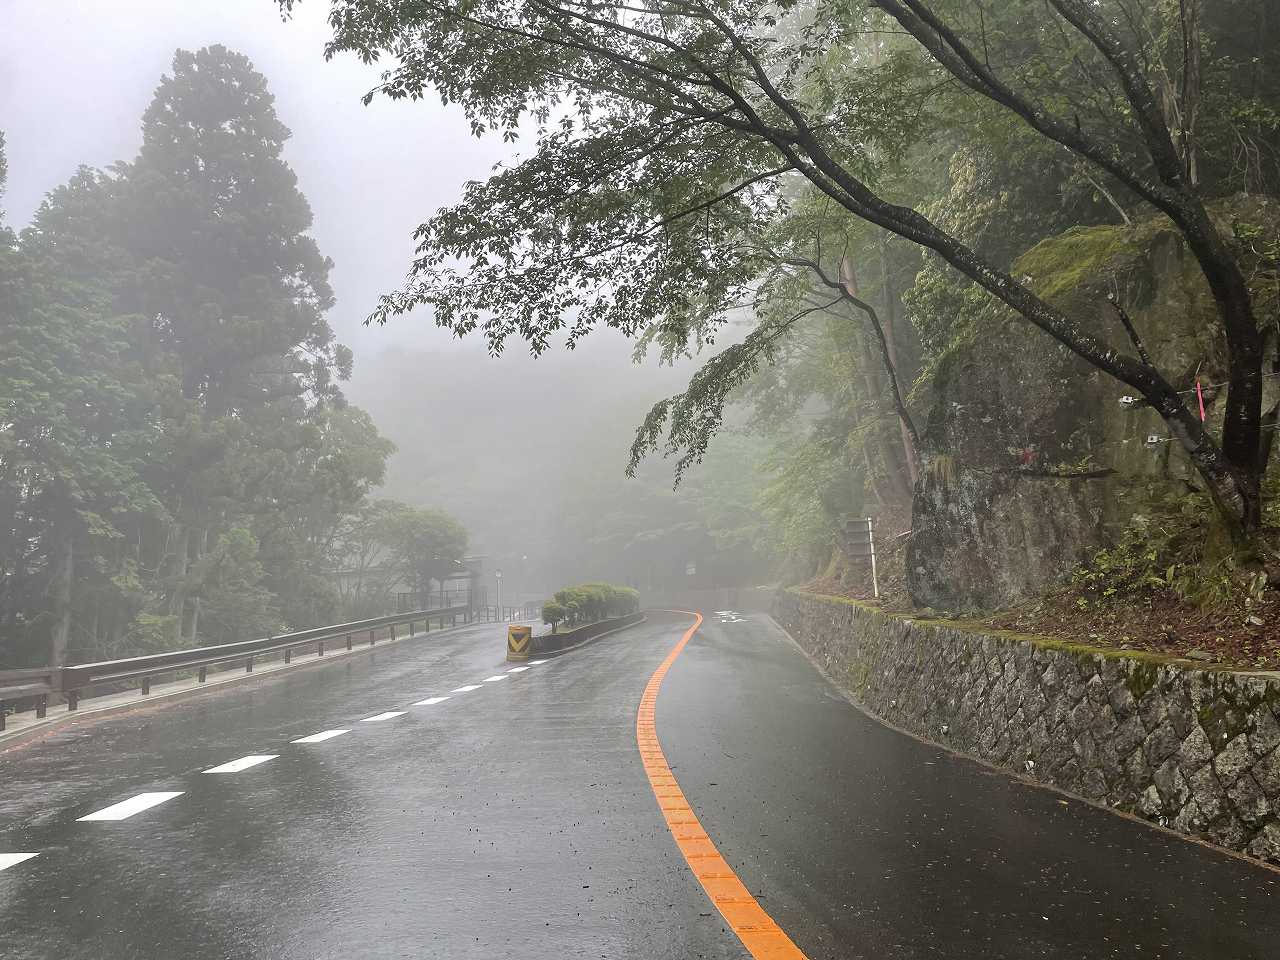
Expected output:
(383, 716)
(145, 801)
(244, 763)
(8, 860)
(322, 736)
(127, 808)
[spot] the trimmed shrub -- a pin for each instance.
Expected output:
(553, 613)
(589, 602)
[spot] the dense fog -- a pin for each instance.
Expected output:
(524, 456)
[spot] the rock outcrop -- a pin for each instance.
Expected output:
(1031, 459)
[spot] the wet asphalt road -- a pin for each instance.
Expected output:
(516, 820)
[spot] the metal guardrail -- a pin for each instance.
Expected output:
(506, 614)
(36, 683)
(71, 681)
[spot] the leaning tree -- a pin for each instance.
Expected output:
(671, 136)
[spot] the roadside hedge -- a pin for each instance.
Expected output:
(588, 603)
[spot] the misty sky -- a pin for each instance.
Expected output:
(76, 75)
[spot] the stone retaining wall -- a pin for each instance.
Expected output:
(1193, 749)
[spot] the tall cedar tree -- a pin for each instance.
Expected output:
(176, 456)
(236, 292)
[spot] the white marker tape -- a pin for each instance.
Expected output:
(430, 701)
(517, 670)
(383, 716)
(8, 860)
(244, 763)
(127, 808)
(467, 689)
(501, 676)
(322, 736)
(534, 663)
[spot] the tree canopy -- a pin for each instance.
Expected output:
(178, 463)
(674, 140)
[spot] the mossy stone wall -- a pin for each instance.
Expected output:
(1196, 750)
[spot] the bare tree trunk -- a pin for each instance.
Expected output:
(868, 370)
(1106, 194)
(871, 478)
(1190, 14)
(201, 549)
(63, 562)
(176, 575)
(910, 454)
(850, 290)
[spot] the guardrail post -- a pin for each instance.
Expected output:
(146, 686)
(42, 707)
(248, 664)
(73, 699)
(1, 715)
(411, 630)
(320, 649)
(348, 641)
(204, 674)
(373, 636)
(287, 655)
(393, 631)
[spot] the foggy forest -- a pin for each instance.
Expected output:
(850, 424)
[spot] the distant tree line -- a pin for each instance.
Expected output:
(177, 461)
(385, 547)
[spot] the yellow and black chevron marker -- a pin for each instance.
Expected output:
(519, 642)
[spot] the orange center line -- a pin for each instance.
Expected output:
(762, 937)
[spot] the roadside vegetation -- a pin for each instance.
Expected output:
(178, 464)
(589, 603)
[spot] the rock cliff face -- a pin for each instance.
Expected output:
(1031, 460)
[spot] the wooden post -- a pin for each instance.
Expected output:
(204, 673)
